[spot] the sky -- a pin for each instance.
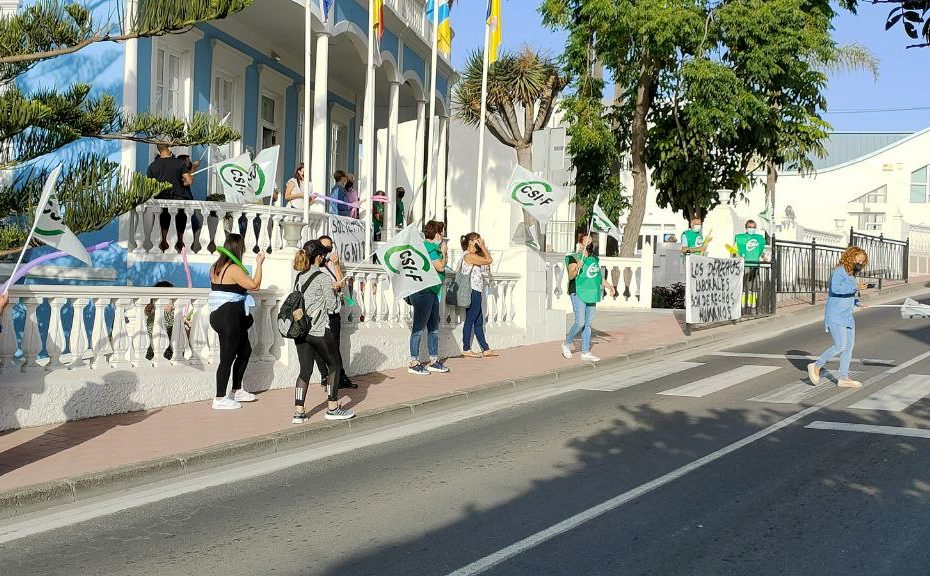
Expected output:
(853, 98)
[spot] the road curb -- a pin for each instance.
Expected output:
(24, 500)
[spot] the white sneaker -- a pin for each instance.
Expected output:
(566, 351)
(243, 396)
(588, 357)
(225, 404)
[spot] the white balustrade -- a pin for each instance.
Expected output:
(631, 279)
(261, 226)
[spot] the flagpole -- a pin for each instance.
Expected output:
(308, 107)
(431, 138)
(368, 144)
(22, 253)
(481, 127)
(591, 222)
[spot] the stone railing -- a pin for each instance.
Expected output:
(69, 327)
(413, 14)
(630, 277)
(808, 235)
(265, 228)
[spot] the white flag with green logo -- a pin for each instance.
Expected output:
(600, 222)
(263, 173)
(407, 263)
(537, 196)
(50, 228)
(234, 176)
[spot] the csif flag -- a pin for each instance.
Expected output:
(406, 262)
(263, 173)
(49, 226)
(234, 176)
(537, 196)
(600, 222)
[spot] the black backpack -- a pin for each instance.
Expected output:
(288, 326)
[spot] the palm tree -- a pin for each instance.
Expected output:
(524, 84)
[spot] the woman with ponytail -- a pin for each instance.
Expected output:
(230, 317)
(320, 298)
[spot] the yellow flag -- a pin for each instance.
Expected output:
(494, 21)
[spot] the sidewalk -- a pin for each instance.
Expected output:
(77, 459)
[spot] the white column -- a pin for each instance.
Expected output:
(308, 112)
(415, 199)
(442, 177)
(369, 146)
(318, 175)
(391, 185)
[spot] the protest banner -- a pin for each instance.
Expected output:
(406, 262)
(538, 197)
(713, 289)
(348, 236)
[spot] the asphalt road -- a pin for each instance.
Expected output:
(726, 464)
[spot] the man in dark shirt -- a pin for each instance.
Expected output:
(171, 170)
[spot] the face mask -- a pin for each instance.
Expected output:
(857, 268)
(751, 230)
(696, 227)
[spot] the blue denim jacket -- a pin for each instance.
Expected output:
(841, 299)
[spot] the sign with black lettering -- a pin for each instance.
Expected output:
(348, 236)
(713, 290)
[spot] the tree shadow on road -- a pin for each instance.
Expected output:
(641, 444)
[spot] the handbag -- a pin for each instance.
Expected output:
(460, 288)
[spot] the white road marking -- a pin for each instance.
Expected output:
(501, 556)
(638, 376)
(897, 396)
(873, 361)
(720, 382)
(870, 429)
(796, 392)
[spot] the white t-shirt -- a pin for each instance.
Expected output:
(297, 202)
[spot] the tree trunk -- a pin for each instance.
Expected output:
(644, 96)
(771, 178)
(525, 159)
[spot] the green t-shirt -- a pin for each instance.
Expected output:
(435, 254)
(750, 247)
(375, 223)
(692, 239)
(588, 281)
(399, 213)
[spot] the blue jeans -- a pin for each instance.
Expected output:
(584, 316)
(474, 320)
(844, 339)
(425, 317)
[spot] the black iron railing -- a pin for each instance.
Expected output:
(759, 296)
(804, 267)
(888, 259)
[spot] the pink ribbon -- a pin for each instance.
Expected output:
(25, 268)
(382, 199)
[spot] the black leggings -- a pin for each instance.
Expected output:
(309, 349)
(232, 325)
(335, 327)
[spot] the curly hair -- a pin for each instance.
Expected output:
(848, 259)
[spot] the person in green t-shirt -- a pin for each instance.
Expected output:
(750, 246)
(426, 305)
(586, 284)
(692, 239)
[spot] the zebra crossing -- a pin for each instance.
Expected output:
(894, 397)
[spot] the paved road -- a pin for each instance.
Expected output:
(711, 465)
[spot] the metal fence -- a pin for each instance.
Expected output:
(805, 267)
(888, 259)
(759, 296)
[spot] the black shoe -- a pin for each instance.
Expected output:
(348, 384)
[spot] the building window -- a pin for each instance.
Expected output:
(871, 221)
(269, 126)
(877, 196)
(167, 85)
(919, 186)
(223, 103)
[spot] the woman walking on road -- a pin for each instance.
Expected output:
(320, 298)
(842, 298)
(229, 304)
(476, 264)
